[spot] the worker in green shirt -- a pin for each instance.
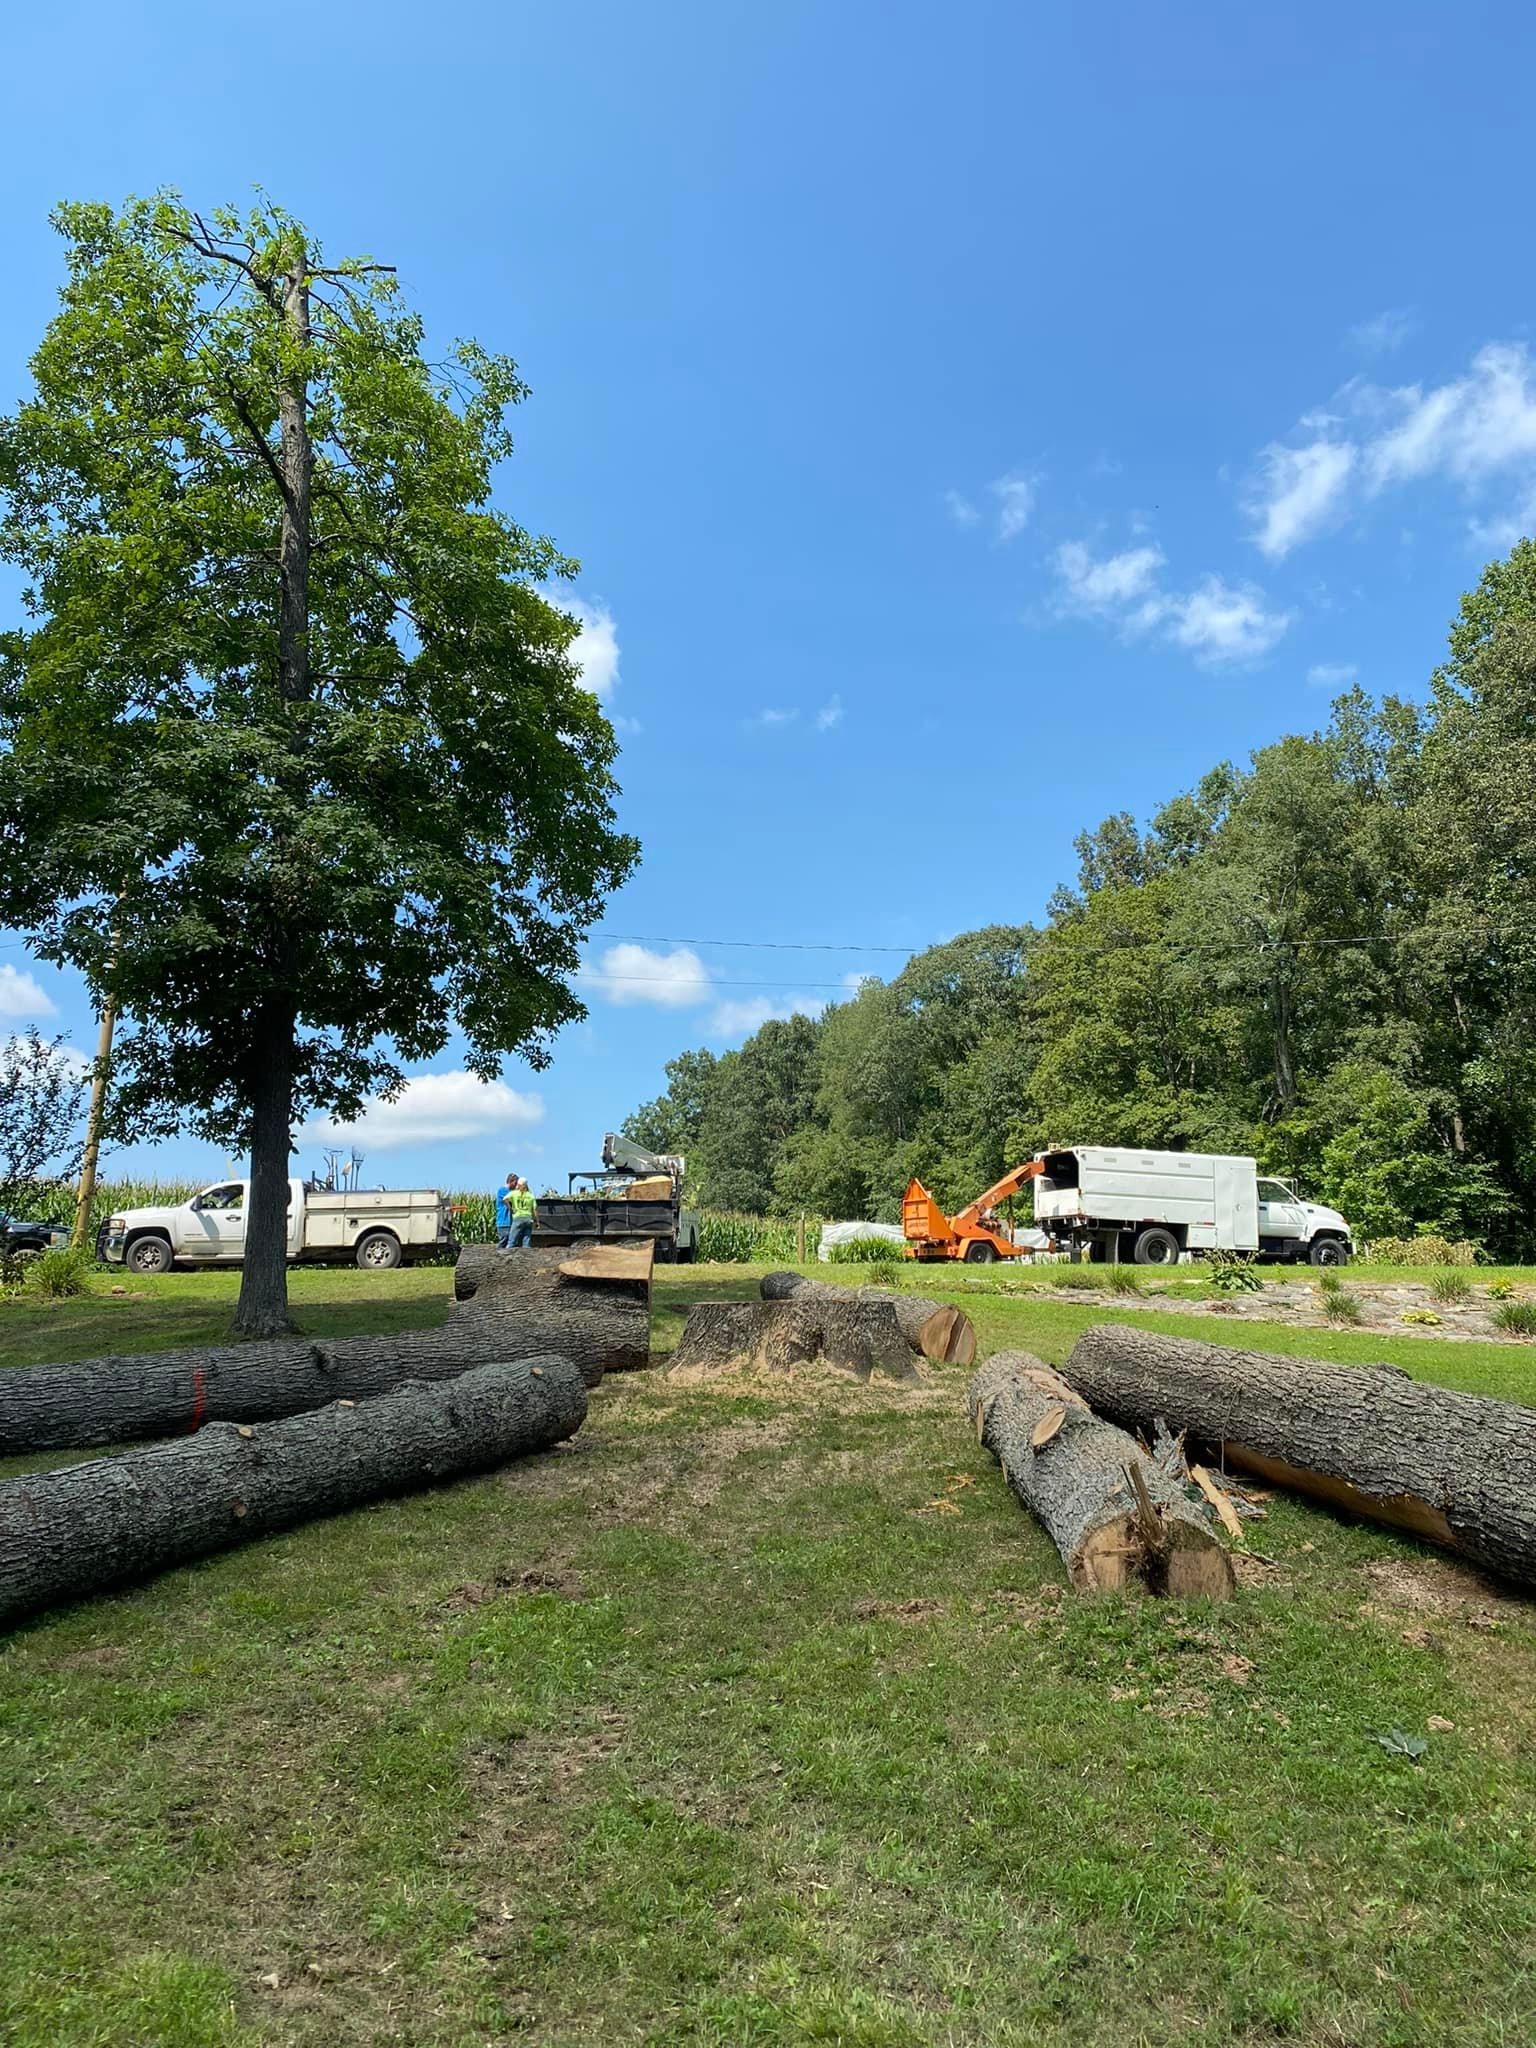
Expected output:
(520, 1202)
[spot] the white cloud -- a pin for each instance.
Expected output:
(627, 726)
(960, 509)
(634, 974)
(770, 718)
(433, 1108)
(1332, 675)
(830, 714)
(1298, 491)
(1385, 333)
(595, 650)
(740, 1019)
(1476, 431)
(1015, 497)
(23, 995)
(1216, 622)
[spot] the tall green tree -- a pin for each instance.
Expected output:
(292, 750)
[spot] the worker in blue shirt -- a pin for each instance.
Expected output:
(504, 1196)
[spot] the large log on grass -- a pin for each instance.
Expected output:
(1456, 1469)
(83, 1527)
(857, 1337)
(600, 1323)
(1116, 1519)
(945, 1335)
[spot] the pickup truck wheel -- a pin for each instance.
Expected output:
(378, 1251)
(1328, 1251)
(148, 1255)
(1157, 1248)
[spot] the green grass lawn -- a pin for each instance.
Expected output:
(758, 1716)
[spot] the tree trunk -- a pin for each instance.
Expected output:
(1117, 1521)
(70, 1532)
(861, 1338)
(1456, 1469)
(943, 1334)
(262, 1307)
(166, 1393)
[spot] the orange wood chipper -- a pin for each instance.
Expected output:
(975, 1234)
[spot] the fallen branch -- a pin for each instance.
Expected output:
(1457, 1469)
(941, 1333)
(1116, 1518)
(82, 1527)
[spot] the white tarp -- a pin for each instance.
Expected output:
(844, 1233)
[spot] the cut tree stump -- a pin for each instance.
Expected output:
(1456, 1469)
(1117, 1520)
(941, 1333)
(857, 1337)
(84, 1527)
(503, 1314)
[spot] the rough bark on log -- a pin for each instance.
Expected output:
(1456, 1469)
(945, 1335)
(83, 1527)
(605, 1325)
(861, 1338)
(486, 1273)
(1117, 1521)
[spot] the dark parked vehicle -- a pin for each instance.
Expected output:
(18, 1236)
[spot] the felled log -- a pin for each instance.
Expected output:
(83, 1527)
(941, 1333)
(1118, 1521)
(857, 1337)
(1458, 1470)
(598, 1323)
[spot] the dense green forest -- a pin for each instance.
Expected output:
(1327, 958)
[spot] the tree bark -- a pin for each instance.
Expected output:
(943, 1334)
(861, 1338)
(72, 1531)
(1457, 1469)
(168, 1393)
(1117, 1521)
(261, 1309)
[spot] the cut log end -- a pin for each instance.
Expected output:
(861, 1338)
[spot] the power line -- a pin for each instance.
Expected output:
(753, 945)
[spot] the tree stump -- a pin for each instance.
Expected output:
(856, 1337)
(1458, 1470)
(943, 1334)
(83, 1527)
(1117, 1521)
(505, 1314)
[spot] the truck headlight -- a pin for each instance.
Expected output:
(117, 1223)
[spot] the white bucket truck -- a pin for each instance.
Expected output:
(374, 1227)
(1151, 1207)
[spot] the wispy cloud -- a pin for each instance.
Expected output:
(1476, 431)
(769, 719)
(733, 1019)
(1385, 333)
(634, 974)
(960, 508)
(1333, 675)
(23, 996)
(433, 1108)
(1218, 623)
(830, 714)
(1015, 497)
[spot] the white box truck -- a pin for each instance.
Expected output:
(1150, 1207)
(374, 1227)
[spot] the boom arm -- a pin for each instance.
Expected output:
(1009, 1185)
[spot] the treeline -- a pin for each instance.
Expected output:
(1327, 959)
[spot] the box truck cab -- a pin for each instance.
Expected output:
(374, 1227)
(1115, 1202)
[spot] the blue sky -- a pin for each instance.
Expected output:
(971, 420)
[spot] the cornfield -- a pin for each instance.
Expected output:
(727, 1237)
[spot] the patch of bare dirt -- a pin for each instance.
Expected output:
(516, 1585)
(1454, 1592)
(1383, 1305)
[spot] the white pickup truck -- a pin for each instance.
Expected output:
(1151, 1207)
(376, 1227)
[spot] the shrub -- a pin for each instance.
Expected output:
(1517, 1317)
(1232, 1273)
(59, 1272)
(1422, 1251)
(1122, 1279)
(867, 1251)
(1501, 1290)
(1451, 1286)
(1339, 1305)
(1068, 1275)
(1420, 1315)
